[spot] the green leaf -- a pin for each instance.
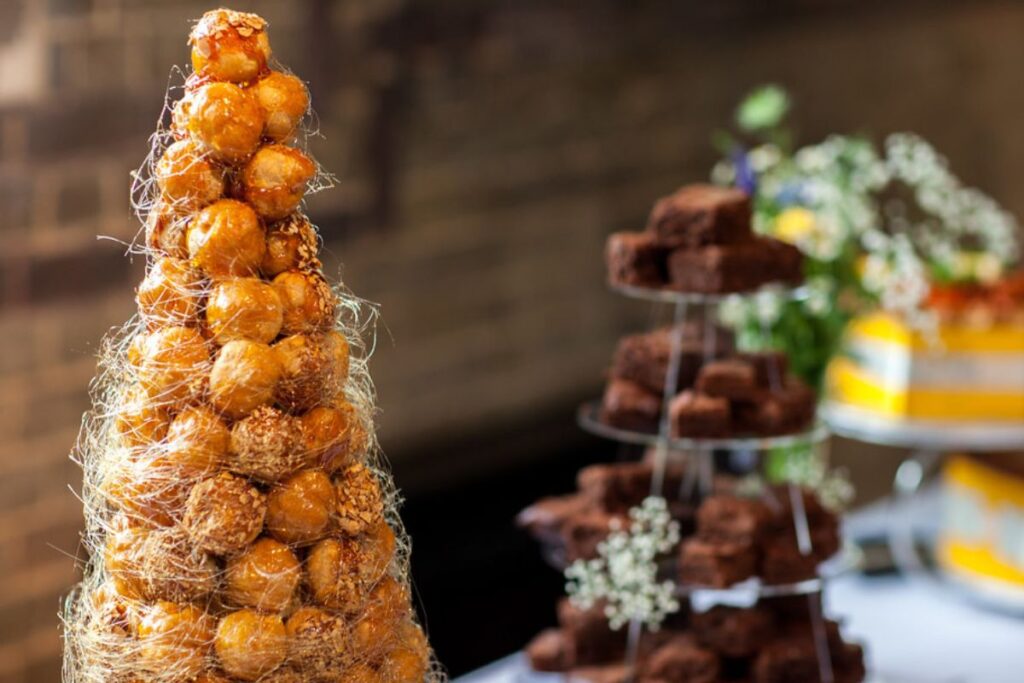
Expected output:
(763, 108)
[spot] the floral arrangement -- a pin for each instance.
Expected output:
(624, 576)
(879, 226)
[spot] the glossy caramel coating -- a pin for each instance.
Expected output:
(140, 420)
(224, 513)
(174, 640)
(312, 370)
(334, 574)
(378, 550)
(409, 660)
(245, 376)
(122, 556)
(292, 244)
(226, 239)
(374, 630)
(317, 641)
(145, 486)
(174, 366)
(275, 180)
(212, 677)
(358, 436)
(173, 570)
(309, 304)
(359, 505)
(113, 611)
(358, 673)
(165, 230)
(187, 179)
(197, 441)
(170, 294)
(266, 445)
(244, 308)
(326, 431)
(264, 576)
(224, 120)
(229, 46)
(283, 99)
(250, 644)
(299, 509)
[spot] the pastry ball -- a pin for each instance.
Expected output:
(373, 631)
(173, 570)
(224, 120)
(145, 486)
(360, 673)
(175, 640)
(284, 675)
(122, 555)
(140, 420)
(299, 509)
(211, 677)
(244, 308)
(229, 46)
(283, 99)
(112, 611)
(334, 574)
(187, 179)
(409, 660)
(226, 240)
(266, 445)
(264, 576)
(275, 180)
(378, 549)
(326, 431)
(174, 366)
(250, 644)
(197, 441)
(359, 504)
(309, 303)
(244, 377)
(292, 244)
(313, 369)
(224, 514)
(170, 294)
(165, 230)
(317, 641)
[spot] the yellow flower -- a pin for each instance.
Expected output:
(794, 224)
(977, 265)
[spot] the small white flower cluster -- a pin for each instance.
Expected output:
(833, 488)
(624, 576)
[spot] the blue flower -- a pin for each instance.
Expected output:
(746, 178)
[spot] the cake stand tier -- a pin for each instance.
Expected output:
(860, 425)
(589, 418)
(670, 296)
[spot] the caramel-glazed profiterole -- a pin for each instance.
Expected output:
(239, 522)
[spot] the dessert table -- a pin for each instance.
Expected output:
(913, 632)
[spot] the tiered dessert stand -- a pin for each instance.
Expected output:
(699, 455)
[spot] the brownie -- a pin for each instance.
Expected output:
(787, 660)
(699, 215)
(771, 367)
(582, 533)
(697, 415)
(732, 631)
(681, 660)
(620, 486)
(628, 405)
(546, 652)
(636, 258)
(782, 562)
(740, 267)
(587, 637)
(731, 378)
(790, 409)
(732, 519)
(716, 564)
(545, 519)
(644, 358)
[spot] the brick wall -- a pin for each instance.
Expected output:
(483, 150)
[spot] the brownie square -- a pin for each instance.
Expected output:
(620, 486)
(740, 267)
(587, 637)
(636, 258)
(787, 660)
(545, 519)
(697, 415)
(731, 378)
(791, 409)
(771, 367)
(782, 562)
(681, 660)
(716, 564)
(732, 631)
(732, 519)
(644, 358)
(628, 405)
(582, 533)
(546, 652)
(699, 215)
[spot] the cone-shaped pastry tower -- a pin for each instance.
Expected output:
(239, 525)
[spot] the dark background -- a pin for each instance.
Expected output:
(483, 150)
